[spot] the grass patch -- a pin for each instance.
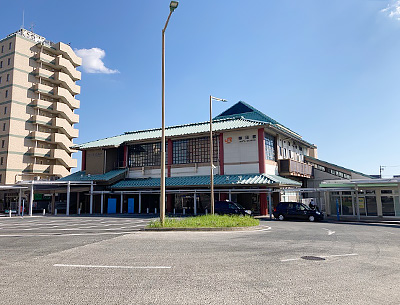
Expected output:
(206, 221)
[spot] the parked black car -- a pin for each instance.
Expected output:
(229, 207)
(296, 210)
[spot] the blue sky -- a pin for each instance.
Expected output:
(328, 70)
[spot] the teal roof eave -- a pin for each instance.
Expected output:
(219, 180)
(179, 130)
(82, 176)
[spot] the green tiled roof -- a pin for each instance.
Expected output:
(195, 128)
(246, 111)
(81, 176)
(219, 180)
(240, 115)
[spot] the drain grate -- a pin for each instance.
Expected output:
(313, 258)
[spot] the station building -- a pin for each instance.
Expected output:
(256, 160)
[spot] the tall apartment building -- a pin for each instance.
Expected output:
(37, 107)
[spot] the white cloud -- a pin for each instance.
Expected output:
(393, 9)
(92, 61)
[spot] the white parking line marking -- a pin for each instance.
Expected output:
(323, 256)
(329, 231)
(113, 267)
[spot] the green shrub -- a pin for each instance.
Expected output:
(207, 221)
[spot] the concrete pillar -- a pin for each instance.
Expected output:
(378, 203)
(357, 204)
(122, 202)
(91, 198)
(31, 200)
(53, 203)
(68, 197)
(101, 203)
(195, 203)
(19, 202)
(140, 203)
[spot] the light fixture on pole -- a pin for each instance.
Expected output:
(211, 153)
(172, 6)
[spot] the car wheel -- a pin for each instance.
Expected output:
(311, 218)
(281, 217)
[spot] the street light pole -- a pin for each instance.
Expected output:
(173, 5)
(212, 153)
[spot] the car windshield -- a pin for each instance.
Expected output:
(239, 206)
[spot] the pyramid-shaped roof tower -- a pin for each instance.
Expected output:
(244, 110)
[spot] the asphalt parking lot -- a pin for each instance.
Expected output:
(102, 260)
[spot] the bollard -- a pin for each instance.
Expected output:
(206, 211)
(184, 211)
(44, 212)
(155, 211)
(79, 211)
(55, 211)
(174, 211)
(147, 210)
(9, 212)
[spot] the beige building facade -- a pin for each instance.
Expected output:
(37, 107)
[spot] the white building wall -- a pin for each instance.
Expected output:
(241, 152)
(290, 149)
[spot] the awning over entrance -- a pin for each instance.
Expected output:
(219, 180)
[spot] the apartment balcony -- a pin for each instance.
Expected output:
(64, 158)
(41, 136)
(38, 168)
(66, 112)
(40, 152)
(63, 141)
(59, 170)
(66, 97)
(66, 66)
(42, 57)
(42, 104)
(288, 167)
(67, 52)
(43, 89)
(67, 82)
(41, 120)
(65, 127)
(40, 72)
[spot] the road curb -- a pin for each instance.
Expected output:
(202, 229)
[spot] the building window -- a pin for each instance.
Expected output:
(5, 110)
(2, 49)
(0, 79)
(1, 160)
(1, 64)
(269, 147)
(9, 46)
(4, 126)
(148, 154)
(6, 93)
(9, 61)
(8, 78)
(195, 150)
(3, 143)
